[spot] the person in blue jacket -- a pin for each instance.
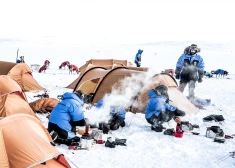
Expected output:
(190, 69)
(158, 109)
(208, 74)
(66, 115)
(117, 113)
(21, 60)
(138, 58)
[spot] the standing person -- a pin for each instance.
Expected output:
(138, 58)
(158, 110)
(21, 60)
(190, 69)
(66, 115)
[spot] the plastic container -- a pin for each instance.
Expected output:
(178, 134)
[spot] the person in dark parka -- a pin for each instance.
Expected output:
(190, 69)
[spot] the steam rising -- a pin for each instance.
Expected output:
(121, 95)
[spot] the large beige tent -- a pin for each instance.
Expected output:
(12, 99)
(25, 142)
(22, 74)
(101, 81)
(106, 64)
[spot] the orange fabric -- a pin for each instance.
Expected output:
(12, 99)
(22, 74)
(13, 104)
(6, 67)
(44, 104)
(24, 142)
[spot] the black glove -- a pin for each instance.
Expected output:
(121, 142)
(177, 72)
(179, 113)
(105, 127)
(169, 132)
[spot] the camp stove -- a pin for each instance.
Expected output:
(86, 139)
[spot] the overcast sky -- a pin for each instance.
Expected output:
(122, 21)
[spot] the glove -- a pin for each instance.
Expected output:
(105, 127)
(179, 113)
(121, 142)
(177, 72)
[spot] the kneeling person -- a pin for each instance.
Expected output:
(66, 115)
(158, 109)
(117, 114)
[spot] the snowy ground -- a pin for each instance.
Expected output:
(146, 148)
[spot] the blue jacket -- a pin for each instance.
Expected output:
(120, 111)
(190, 64)
(69, 109)
(138, 56)
(156, 105)
(18, 61)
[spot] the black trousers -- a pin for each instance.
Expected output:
(164, 116)
(137, 64)
(63, 133)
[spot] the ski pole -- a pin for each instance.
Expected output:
(222, 158)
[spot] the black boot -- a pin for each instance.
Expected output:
(157, 128)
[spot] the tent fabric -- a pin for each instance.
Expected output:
(104, 62)
(114, 77)
(25, 142)
(6, 67)
(92, 73)
(44, 105)
(23, 75)
(12, 99)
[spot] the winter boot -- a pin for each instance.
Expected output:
(158, 128)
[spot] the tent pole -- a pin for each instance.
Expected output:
(17, 54)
